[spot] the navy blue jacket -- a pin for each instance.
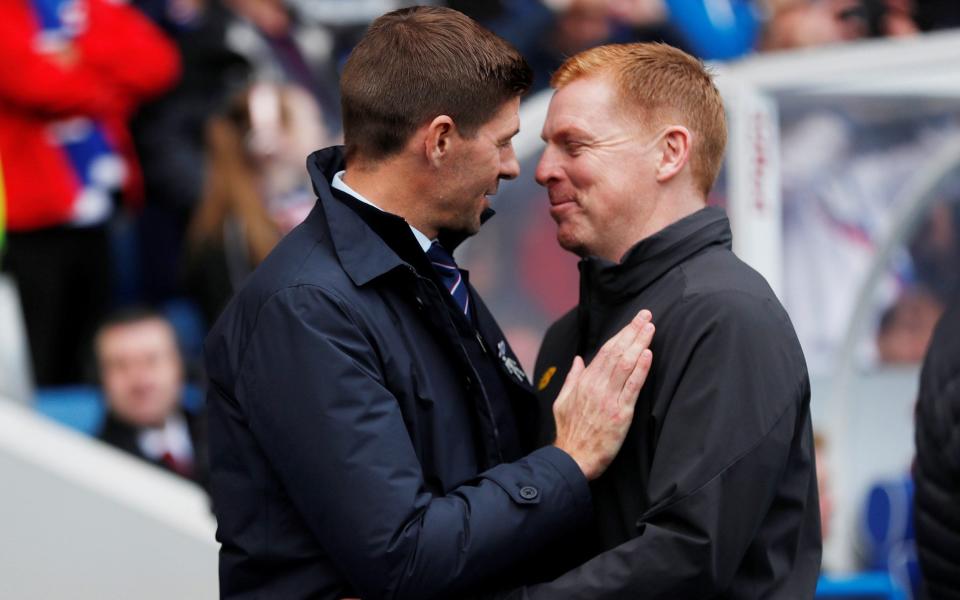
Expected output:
(356, 449)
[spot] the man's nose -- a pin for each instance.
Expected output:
(510, 167)
(546, 168)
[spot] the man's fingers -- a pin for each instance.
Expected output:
(613, 350)
(634, 361)
(632, 386)
(645, 337)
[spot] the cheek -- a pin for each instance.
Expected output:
(590, 174)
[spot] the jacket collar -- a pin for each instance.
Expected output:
(605, 282)
(360, 232)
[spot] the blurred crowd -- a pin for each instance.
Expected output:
(152, 153)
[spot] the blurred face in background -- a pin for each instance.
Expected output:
(583, 24)
(907, 328)
(141, 371)
(801, 23)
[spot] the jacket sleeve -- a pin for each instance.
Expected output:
(314, 395)
(723, 450)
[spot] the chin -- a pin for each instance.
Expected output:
(571, 243)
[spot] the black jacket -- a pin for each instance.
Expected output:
(714, 493)
(355, 448)
(123, 436)
(937, 468)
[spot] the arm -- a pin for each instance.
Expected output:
(121, 59)
(316, 402)
(41, 83)
(731, 427)
(128, 52)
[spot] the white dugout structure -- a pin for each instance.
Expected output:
(80, 520)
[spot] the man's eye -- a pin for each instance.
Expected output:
(573, 148)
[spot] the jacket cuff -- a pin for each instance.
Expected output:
(571, 473)
(549, 476)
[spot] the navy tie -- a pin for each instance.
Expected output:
(450, 275)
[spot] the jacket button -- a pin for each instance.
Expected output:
(528, 492)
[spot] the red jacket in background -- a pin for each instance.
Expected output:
(120, 60)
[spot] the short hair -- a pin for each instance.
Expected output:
(129, 316)
(417, 63)
(663, 83)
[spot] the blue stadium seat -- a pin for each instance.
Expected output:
(862, 586)
(81, 407)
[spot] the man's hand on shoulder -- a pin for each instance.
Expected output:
(594, 409)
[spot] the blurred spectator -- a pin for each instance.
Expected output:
(281, 48)
(227, 45)
(844, 181)
(142, 375)
(169, 132)
(803, 23)
(257, 188)
(907, 326)
(73, 72)
(937, 468)
(546, 32)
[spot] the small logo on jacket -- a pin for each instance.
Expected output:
(545, 378)
(509, 363)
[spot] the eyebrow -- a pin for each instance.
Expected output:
(512, 134)
(568, 132)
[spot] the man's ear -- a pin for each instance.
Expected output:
(675, 152)
(438, 139)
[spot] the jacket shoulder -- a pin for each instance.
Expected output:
(726, 285)
(303, 273)
(719, 272)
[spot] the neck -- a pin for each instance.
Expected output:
(666, 211)
(395, 187)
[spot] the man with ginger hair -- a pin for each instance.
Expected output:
(714, 492)
(371, 433)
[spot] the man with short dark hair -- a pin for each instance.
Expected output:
(141, 371)
(372, 432)
(714, 493)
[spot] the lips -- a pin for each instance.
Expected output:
(557, 199)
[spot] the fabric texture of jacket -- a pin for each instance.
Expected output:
(714, 493)
(355, 451)
(936, 471)
(116, 61)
